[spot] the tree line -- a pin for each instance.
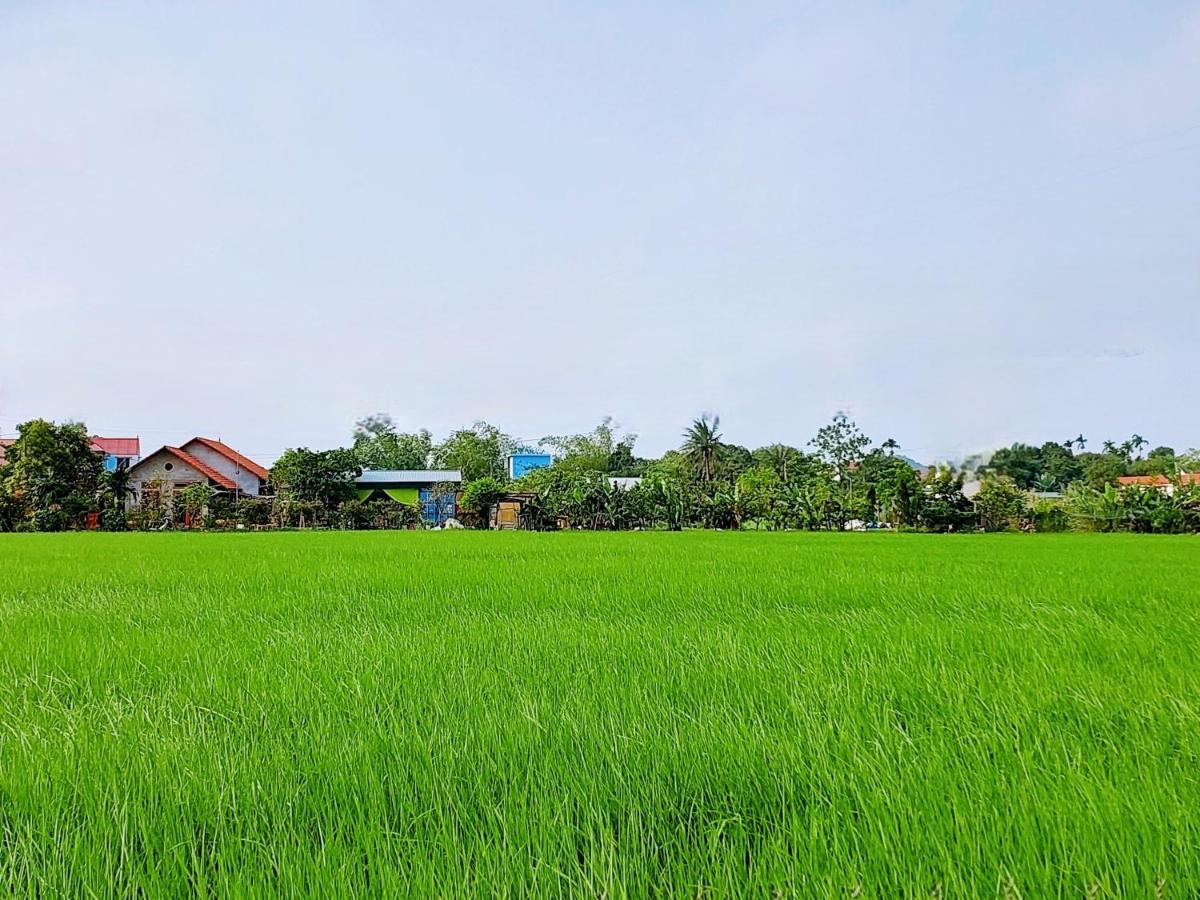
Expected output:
(839, 480)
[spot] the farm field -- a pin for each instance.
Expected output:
(695, 714)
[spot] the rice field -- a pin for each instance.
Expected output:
(599, 715)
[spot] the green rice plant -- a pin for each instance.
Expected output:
(654, 714)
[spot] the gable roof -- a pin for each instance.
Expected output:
(203, 468)
(232, 455)
(117, 446)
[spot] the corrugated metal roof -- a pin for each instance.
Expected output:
(117, 446)
(408, 476)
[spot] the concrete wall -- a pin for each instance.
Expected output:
(154, 467)
(247, 482)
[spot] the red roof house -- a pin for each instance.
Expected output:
(1160, 482)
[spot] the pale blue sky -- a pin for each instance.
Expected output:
(963, 225)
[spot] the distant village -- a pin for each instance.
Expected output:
(593, 480)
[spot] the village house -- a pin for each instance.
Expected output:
(199, 461)
(116, 451)
(435, 491)
(1160, 482)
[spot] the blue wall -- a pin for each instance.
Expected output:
(436, 510)
(521, 463)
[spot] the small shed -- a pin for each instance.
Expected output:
(512, 511)
(435, 491)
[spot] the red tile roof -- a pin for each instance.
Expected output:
(117, 446)
(203, 468)
(232, 455)
(5, 442)
(1159, 480)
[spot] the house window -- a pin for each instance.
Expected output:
(167, 467)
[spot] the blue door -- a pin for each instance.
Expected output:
(436, 510)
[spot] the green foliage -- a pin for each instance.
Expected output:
(1050, 467)
(378, 445)
(194, 499)
(889, 491)
(51, 477)
(479, 496)
(702, 445)
(1136, 508)
(760, 498)
(478, 452)
(597, 451)
(1001, 505)
(1100, 469)
(587, 499)
(841, 445)
(945, 508)
(622, 463)
(377, 514)
(312, 485)
(780, 458)
(115, 491)
(1049, 516)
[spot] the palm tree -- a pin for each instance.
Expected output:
(115, 484)
(779, 457)
(700, 443)
(891, 446)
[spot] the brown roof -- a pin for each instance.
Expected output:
(5, 442)
(203, 468)
(232, 455)
(1159, 480)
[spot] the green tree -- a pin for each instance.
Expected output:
(595, 451)
(945, 508)
(889, 490)
(702, 444)
(1100, 469)
(842, 445)
(622, 462)
(52, 475)
(1001, 505)
(379, 445)
(780, 458)
(314, 483)
(478, 451)
(760, 497)
(1059, 467)
(479, 496)
(194, 500)
(115, 490)
(1021, 463)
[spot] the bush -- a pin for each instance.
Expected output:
(113, 519)
(1001, 505)
(479, 496)
(1050, 516)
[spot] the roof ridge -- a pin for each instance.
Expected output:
(233, 456)
(202, 467)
